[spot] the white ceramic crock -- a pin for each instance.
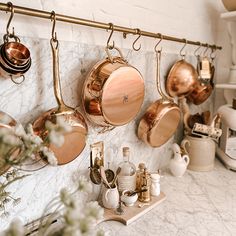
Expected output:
(201, 153)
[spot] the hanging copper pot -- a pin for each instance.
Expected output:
(161, 119)
(113, 92)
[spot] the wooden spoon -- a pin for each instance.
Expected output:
(103, 175)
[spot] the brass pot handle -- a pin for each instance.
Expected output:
(111, 59)
(15, 81)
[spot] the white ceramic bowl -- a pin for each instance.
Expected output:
(128, 200)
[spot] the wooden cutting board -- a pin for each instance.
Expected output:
(134, 212)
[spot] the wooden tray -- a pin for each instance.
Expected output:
(133, 213)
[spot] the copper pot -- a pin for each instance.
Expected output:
(113, 92)
(75, 140)
(181, 79)
(161, 119)
(202, 91)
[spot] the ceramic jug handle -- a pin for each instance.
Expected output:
(186, 158)
(107, 191)
(183, 145)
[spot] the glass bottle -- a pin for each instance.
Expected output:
(127, 175)
(139, 172)
(145, 184)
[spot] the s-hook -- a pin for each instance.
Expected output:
(109, 38)
(198, 48)
(213, 53)
(137, 31)
(181, 51)
(53, 19)
(159, 35)
(204, 54)
(11, 35)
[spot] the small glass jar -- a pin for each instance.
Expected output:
(155, 187)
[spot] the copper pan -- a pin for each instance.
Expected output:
(181, 79)
(202, 91)
(161, 118)
(6, 122)
(113, 91)
(75, 140)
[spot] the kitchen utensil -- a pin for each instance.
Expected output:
(119, 209)
(109, 174)
(201, 152)
(141, 205)
(132, 193)
(116, 175)
(182, 78)
(113, 92)
(94, 175)
(75, 140)
(179, 163)
(161, 119)
(103, 176)
(15, 58)
(226, 147)
(129, 200)
(110, 197)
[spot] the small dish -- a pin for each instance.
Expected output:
(129, 200)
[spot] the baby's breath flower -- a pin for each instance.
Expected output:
(62, 125)
(11, 140)
(84, 185)
(94, 210)
(56, 138)
(16, 229)
(19, 130)
(52, 160)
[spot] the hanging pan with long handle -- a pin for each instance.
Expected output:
(161, 119)
(75, 139)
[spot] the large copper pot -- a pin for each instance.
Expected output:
(161, 119)
(113, 92)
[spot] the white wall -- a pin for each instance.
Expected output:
(191, 19)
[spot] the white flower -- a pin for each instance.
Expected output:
(5, 119)
(63, 125)
(52, 160)
(16, 228)
(19, 130)
(84, 185)
(93, 210)
(11, 140)
(56, 138)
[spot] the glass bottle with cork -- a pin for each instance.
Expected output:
(127, 175)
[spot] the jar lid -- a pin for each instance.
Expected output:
(155, 176)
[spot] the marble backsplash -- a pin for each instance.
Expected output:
(27, 101)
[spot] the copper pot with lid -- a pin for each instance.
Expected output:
(113, 91)
(161, 119)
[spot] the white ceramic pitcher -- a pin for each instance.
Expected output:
(110, 197)
(179, 163)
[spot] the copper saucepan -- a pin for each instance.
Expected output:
(202, 91)
(75, 140)
(113, 92)
(161, 118)
(182, 79)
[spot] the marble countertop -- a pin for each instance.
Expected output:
(199, 203)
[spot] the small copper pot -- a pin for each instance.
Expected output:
(181, 79)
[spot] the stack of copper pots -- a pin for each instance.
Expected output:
(15, 59)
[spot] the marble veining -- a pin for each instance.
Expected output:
(27, 101)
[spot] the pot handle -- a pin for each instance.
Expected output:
(110, 56)
(183, 145)
(15, 81)
(56, 74)
(186, 159)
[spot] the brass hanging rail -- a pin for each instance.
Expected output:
(101, 25)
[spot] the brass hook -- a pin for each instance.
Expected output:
(204, 53)
(109, 38)
(11, 9)
(195, 52)
(213, 54)
(161, 38)
(185, 44)
(137, 32)
(53, 18)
